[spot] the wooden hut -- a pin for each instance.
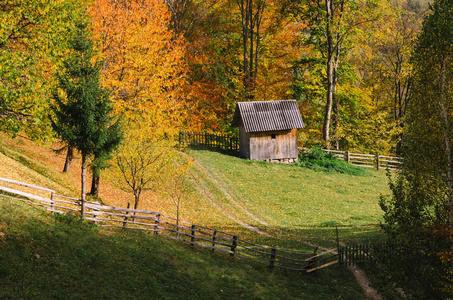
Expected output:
(268, 129)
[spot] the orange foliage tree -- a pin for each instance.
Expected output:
(227, 67)
(143, 60)
(144, 66)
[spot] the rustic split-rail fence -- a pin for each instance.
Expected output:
(231, 142)
(162, 225)
(377, 160)
(193, 234)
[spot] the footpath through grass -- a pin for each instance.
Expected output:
(293, 202)
(63, 257)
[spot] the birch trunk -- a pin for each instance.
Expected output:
(84, 175)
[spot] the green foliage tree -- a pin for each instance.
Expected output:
(420, 211)
(32, 41)
(333, 30)
(82, 107)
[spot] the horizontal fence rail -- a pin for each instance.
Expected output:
(159, 224)
(223, 141)
(368, 160)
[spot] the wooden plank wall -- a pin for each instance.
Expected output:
(264, 147)
(244, 142)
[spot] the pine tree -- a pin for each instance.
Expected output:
(82, 108)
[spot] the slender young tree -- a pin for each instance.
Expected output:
(82, 108)
(251, 18)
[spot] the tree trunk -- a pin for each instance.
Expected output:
(329, 103)
(137, 198)
(95, 184)
(84, 175)
(448, 150)
(333, 58)
(69, 157)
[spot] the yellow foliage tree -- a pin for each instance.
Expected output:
(144, 66)
(143, 60)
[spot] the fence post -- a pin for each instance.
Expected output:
(213, 239)
(348, 160)
(52, 210)
(192, 238)
(156, 231)
(338, 245)
(234, 245)
(273, 255)
(313, 261)
(125, 219)
(377, 160)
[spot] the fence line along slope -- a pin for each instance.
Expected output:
(158, 224)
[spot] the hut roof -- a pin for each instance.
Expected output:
(268, 115)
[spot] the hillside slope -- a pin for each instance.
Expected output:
(229, 193)
(42, 257)
(216, 199)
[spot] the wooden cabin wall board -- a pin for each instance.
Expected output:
(244, 142)
(263, 146)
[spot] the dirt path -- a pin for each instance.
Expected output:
(359, 274)
(221, 187)
(363, 281)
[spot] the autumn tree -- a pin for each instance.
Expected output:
(419, 213)
(251, 17)
(332, 25)
(216, 53)
(385, 63)
(82, 107)
(139, 162)
(145, 68)
(32, 41)
(173, 177)
(143, 60)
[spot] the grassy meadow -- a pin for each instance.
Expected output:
(298, 202)
(286, 206)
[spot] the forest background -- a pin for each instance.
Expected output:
(184, 64)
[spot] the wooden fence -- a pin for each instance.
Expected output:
(227, 142)
(363, 253)
(159, 224)
(356, 254)
(368, 160)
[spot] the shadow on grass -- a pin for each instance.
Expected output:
(45, 257)
(234, 153)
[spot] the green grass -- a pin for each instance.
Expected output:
(45, 257)
(295, 201)
(63, 257)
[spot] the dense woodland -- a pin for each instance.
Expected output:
(187, 62)
(368, 76)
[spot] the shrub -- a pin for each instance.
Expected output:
(319, 160)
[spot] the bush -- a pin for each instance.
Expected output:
(319, 160)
